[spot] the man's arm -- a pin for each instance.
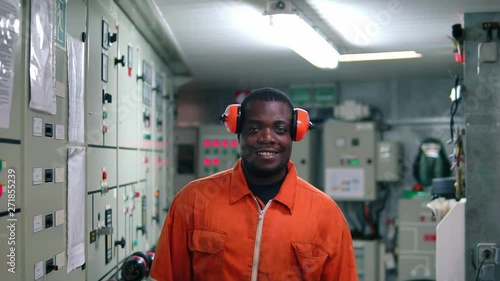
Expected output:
(172, 261)
(342, 266)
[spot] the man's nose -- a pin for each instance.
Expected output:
(267, 135)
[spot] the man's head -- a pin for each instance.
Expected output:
(265, 133)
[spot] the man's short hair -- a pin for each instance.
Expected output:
(264, 94)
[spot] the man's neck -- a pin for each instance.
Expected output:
(259, 180)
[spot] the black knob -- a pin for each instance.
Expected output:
(112, 37)
(159, 122)
(120, 243)
(84, 37)
(156, 89)
(165, 210)
(120, 61)
(156, 218)
(106, 97)
(142, 229)
(140, 77)
(146, 117)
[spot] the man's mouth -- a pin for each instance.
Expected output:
(267, 153)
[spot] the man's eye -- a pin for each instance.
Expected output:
(280, 130)
(253, 129)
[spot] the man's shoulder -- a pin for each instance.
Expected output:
(312, 190)
(216, 180)
(318, 195)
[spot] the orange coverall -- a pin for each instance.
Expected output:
(216, 230)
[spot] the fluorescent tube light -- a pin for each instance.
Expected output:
(380, 56)
(299, 36)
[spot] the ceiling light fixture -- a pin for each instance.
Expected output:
(380, 56)
(288, 27)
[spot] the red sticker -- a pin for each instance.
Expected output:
(430, 237)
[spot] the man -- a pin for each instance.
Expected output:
(259, 220)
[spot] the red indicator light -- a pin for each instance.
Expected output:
(215, 161)
(234, 143)
(216, 143)
(206, 162)
(207, 143)
(225, 143)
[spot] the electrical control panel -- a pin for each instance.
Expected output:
(349, 160)
(218, 149)
(93, 161)
(101, 102)
(185, 157)
(389, 164)
(128, 100)
(102, 186)
(416, 239)
(369, 264)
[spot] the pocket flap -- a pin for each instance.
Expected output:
(207, 241)
(309, 250)
(311, 259)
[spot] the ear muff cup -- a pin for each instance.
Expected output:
(136, 267)
(300, 121)
(144, 256)
(301, 124)
(231, 118)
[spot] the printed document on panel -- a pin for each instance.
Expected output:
(9, 33)
(42, 58)
(76, 84)
(342, 182)
(76, 208)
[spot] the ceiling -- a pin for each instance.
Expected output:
(223, 47)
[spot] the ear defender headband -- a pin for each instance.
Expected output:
(300, 121)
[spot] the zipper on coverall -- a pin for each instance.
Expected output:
(258, 238)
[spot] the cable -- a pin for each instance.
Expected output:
(479, 269)
(454, 106)
(481, 266)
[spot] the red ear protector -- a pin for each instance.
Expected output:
(137, 266)
(300, 124)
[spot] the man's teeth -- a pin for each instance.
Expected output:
(266, 153)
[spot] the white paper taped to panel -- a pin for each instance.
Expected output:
(9, 33)
(76, 84)
(42, 57)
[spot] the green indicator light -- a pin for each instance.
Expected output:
(216, 169)
(160, 138)
(235, 152)
(224, 151)
(207, 170)
(216, 151)
(147, 136)
(136, 242)
(354, 162)
(105, 115)
(207, 151)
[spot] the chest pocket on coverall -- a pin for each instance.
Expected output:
(207, 249)
(311, 259)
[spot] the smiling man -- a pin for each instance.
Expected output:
(258, 220)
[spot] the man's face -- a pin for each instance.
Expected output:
(266, 143)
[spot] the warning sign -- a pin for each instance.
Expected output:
(61, 24)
